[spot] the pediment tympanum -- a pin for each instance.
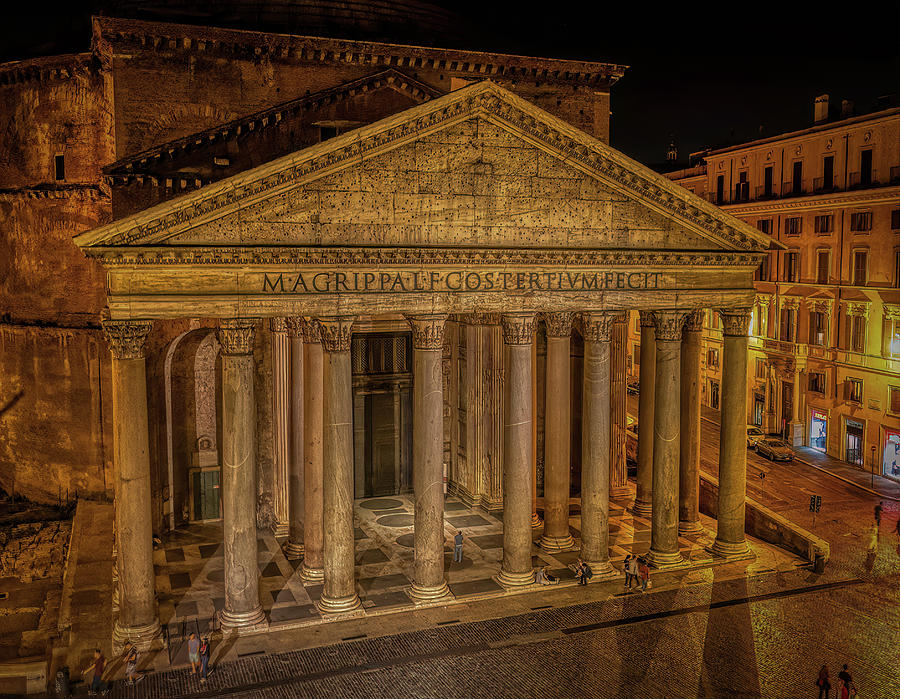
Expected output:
(478, 182)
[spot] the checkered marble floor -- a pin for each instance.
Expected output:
(190, 567)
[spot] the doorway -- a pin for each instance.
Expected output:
(818, 430)
(205, 494)
(854, 445)
(890, 459)
(759, 407)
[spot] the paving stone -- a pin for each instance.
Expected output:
(174, 555)
(210, 550)
(468, 521)
(396, 520)
(271, 570)
(381, 504)
(179, 580)
(488, 541)
(474, 587)
(293, 612)
(283, 595)
(382, 582)
(368, 556)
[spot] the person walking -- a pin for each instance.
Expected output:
(98, 664)
(457, 547)
(847, 688)
(131, 662)
(627, 567)
(194, 652)
(204, 658)
(878, 509)
(635, 572)
(824, 683)
(644, 572)
(897, 528)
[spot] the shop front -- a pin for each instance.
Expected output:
(818, 430)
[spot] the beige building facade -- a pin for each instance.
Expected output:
(825, 340)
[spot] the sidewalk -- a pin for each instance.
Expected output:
(879, 485)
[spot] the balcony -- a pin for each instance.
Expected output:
(863, 179)
(820, 185)
(788, 189)
(779, 346)
(762, 194)
(895, 174)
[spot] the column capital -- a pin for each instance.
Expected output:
(647, 319)
(278, 325)
(668, 325)
(294, 325)
(480, 318)
(427, 330)
(596, 326)
(236, 335)
(336, 332)
(310, 331)
(736, 321)
(518, 328)
(558, 323)
(125, 338)
(694, 321)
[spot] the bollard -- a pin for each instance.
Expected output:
(819, 564)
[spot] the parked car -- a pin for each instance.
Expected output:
(754, 434)
(774, 449)
(633, 387)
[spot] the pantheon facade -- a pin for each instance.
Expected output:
(384, 269)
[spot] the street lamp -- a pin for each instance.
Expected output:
(873, 467)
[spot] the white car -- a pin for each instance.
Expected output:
(754, 434)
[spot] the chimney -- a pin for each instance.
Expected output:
(846, 108)
(821, 109)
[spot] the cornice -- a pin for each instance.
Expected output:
(485, 99)
(48, 68)
(55, 191)
(861, 197)
(177, 256)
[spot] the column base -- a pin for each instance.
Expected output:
(311, 576)
(280, 529)
(662, 560)
(141, 636)
(292, 550)
(731, 551)
(690, 527)
(552, 544)
(252, 620)
(642, 509)
(621, 492)
(603, 571)
(514, 580)
(426, 594)
(536, 521)
(338, 605)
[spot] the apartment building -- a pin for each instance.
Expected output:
(825, 345)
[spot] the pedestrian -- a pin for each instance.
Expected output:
(627, 572)
(873, 539)
(635, 572)
(131, 662)
(194, 652)
(204, 658)
(97, 665)
(644, 572)
(824, 683)
(878, 508)
(897, 528)
(586, 573)
(457, 547)
(847, 688)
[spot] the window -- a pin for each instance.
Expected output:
(891, 337)
(818, 328)
(817, 382)
(742, 188)
(797, 178)
(865, 166)
(787, 325)
(760, 368)
(713, 394)
(326, 132)
(861, 221)
(897, 269)
(765, 225)
(762, 274)
(853, 390)
(895, 220)
(791, 266)
(720, 189)
(894, 398)
(767, 181)
(712, 357)
(823, 264)
(860, 267)
(824, 224)
(59, 167)
(792, 225)
(637, 355)
(858, 333)
(828, 172)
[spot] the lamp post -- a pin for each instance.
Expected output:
(873, 467)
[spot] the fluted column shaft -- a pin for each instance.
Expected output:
(643, 501)
(618, 470)
(557, 434)
(666, 440)
(730, 540)
(339, 594)
(312, 570)
(281, 423)
(689, 472)
(242, 607)
(595, 438)
(518, 332)
(296, 499)
(428, 450)
(137, 620)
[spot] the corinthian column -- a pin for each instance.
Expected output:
(312, 570)
(689, 471)
(242, 607)
(518, 332)
(428, 450)
(643, 504)
(595, 438)
(294, 546)
(339, 594)
(666, 441)
(137, 621)
(730, 541)
(557, 434)
(281, 406)
(618, 477)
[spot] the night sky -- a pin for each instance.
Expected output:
(704, 75)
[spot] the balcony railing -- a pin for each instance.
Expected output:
(895, 173)
(761, 192)
(788, 189)
(857, 179)
(778, 346)
(820, 185)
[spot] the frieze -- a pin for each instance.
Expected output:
(597, 326)
(236, 335)
(736, 321)
(125, 338)
(427, 331)
(668, 325)
(337, 332)
(558, 324)
(518, 328)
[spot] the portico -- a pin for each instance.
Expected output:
(473, 210)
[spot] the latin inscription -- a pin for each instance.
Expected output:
(398, 282)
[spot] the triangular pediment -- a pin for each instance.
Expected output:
(479, 167)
